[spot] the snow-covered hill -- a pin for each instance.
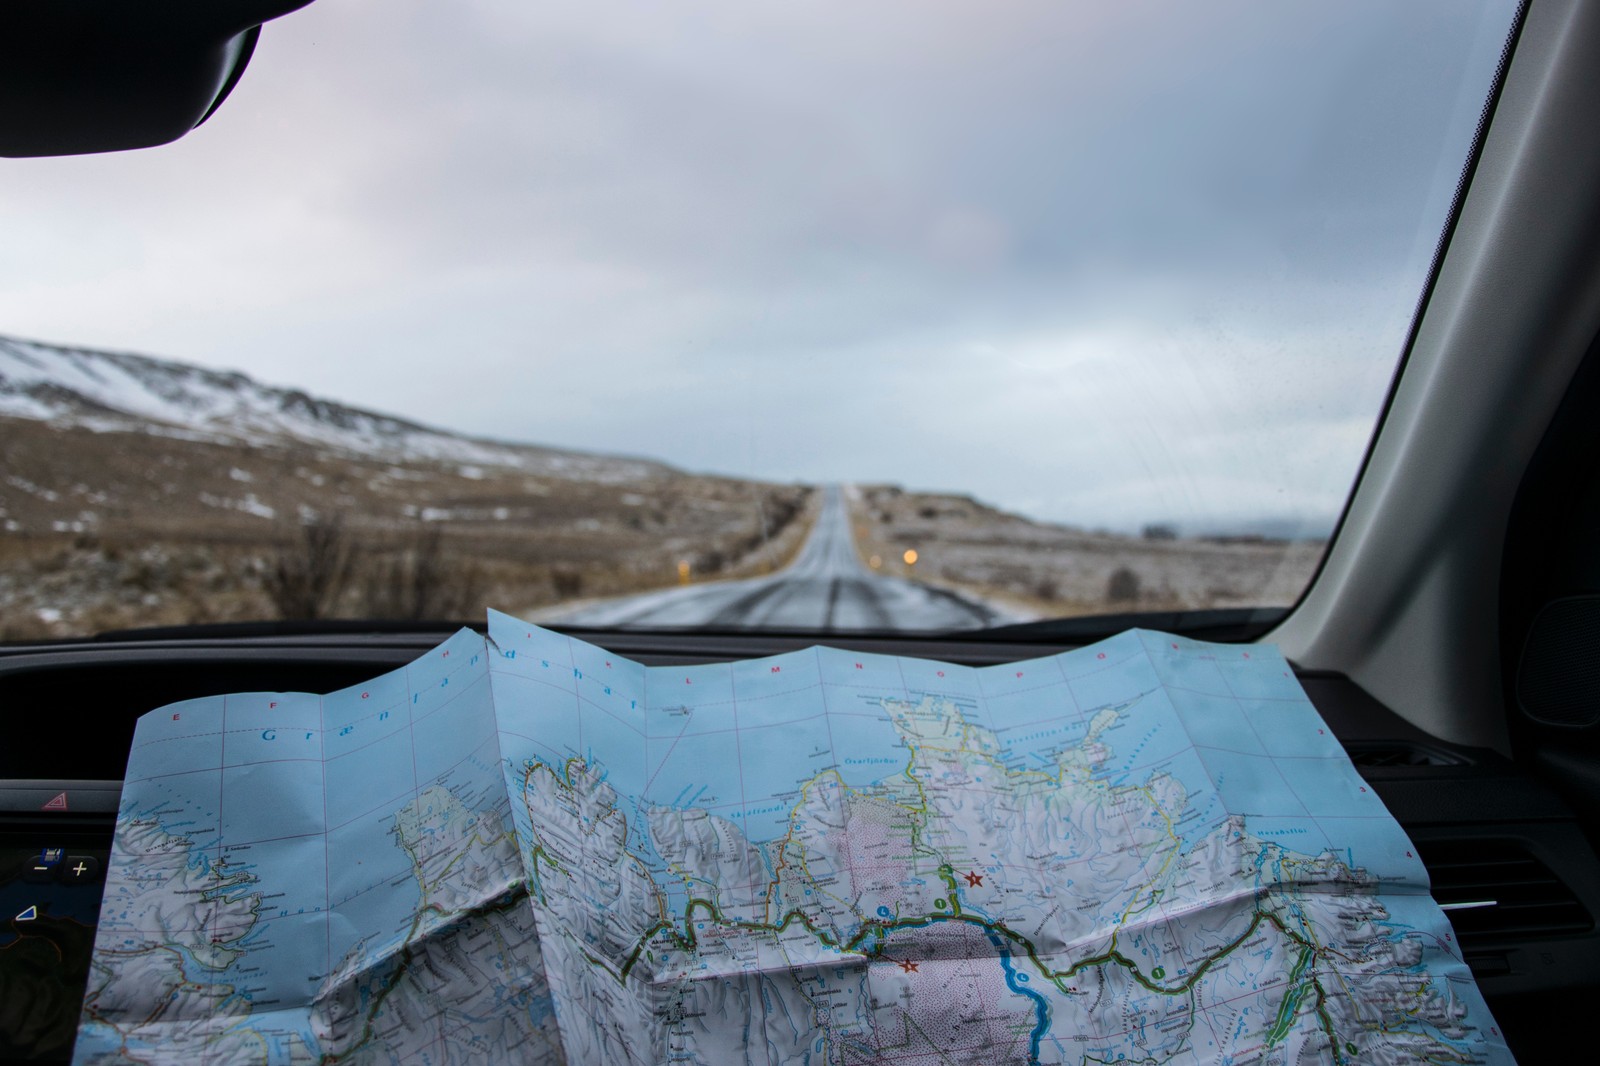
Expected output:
(114, 391)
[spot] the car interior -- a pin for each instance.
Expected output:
(1450, 639)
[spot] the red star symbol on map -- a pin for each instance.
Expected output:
(974, 879)
(908, 966)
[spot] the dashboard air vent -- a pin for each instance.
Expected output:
(1497, 890)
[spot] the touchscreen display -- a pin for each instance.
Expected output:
(50, 885)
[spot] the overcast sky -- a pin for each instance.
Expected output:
(1099, 263)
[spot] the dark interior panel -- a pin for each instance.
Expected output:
(1550, 604)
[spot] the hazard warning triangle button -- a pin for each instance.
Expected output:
(59, 803)
(31, 914)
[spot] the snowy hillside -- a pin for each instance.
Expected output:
(113, 391)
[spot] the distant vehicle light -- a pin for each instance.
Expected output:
(910, 557)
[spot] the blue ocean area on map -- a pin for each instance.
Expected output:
(521, 840)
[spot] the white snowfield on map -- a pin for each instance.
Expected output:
(527, 849)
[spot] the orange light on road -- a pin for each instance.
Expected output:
(910, 557)
(683, 571)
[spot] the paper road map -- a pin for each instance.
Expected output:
(527, 849)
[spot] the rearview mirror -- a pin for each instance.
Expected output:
(79, 76)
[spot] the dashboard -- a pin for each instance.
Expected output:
(1508, 859)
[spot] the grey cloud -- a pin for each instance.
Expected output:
(1095, 261)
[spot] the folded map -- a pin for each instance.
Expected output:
(523, 848)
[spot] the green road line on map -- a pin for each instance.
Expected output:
(871, 936)
(879, 931)
(949, 876)
(1291, 999)
(1327, 1024)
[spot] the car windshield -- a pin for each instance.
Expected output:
(831, 317)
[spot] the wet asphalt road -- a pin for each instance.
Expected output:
(826, 587)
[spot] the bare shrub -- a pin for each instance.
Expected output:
(421, 581)
(311, 570)
(1122, 586)
(775, 512)
(566, 583)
